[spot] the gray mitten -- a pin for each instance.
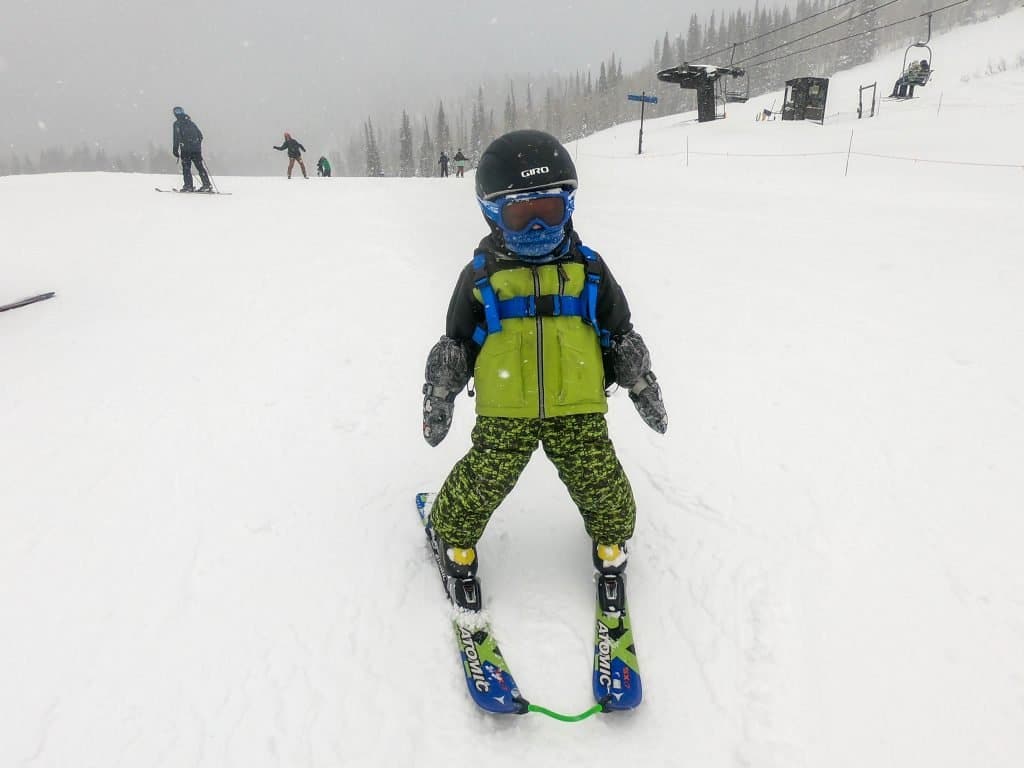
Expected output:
(646, 396)
(632, 363)
(447, 373)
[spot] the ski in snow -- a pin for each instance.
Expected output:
(193, 192)
(616, 679)
(488, 678)
(616, 671)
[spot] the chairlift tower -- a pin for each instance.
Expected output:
(707, 80)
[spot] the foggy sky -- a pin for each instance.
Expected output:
(109, 71)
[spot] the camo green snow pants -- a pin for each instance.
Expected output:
(579, 448)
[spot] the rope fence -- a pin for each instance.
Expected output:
(826, 153)
(849, 152)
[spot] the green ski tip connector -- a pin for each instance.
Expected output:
(566, 718)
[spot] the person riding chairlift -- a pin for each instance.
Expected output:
(917, 74)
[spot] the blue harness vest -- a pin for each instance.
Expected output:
(583, 306)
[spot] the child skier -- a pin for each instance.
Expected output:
(541, 324)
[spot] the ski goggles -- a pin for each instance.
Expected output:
(519, 212)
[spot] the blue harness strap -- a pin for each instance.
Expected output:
(554, 305)
(583, 306)
(482, 280)
(589, 294)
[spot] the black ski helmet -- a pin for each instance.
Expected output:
(521, 161)
(178, 112)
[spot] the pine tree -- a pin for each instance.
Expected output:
(427, 154)
(462, 132)
(666, 54)
(338, 166)
(710, 35)
(442, 131)
(374, 167)
(680, 52)
(476, 130)
(511, 119)
(693, 38)
(406, 165)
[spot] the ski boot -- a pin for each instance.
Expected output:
(206, 188)
(610, 560)
(458, 572)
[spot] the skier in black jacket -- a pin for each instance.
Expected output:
(187, 145)
(295, 150)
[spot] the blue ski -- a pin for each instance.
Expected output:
(490, 683)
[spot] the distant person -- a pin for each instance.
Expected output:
(443, 162)
(295, 150)
(187, 146)
(460, 164)
(323, 167)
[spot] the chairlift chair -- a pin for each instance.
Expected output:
(920, 75)
(738, 93)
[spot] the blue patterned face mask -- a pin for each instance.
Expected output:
(538, 239)
(537, 244)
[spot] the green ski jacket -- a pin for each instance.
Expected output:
(540, 366)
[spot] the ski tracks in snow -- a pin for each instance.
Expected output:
(734, 616)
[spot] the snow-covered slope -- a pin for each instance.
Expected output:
(209, 445)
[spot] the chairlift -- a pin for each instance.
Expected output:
(916, 71)
(740, 92)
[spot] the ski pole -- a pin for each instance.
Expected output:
(210, 177)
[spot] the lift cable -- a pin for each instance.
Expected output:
(848, 37)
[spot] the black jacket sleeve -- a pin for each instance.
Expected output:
(464, 311)
(612, 308)
(464, 314)
(281, 147)
(175, 138)
(301, 147)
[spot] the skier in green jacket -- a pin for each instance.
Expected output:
(543, 327)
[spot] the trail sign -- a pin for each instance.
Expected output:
(644, 100)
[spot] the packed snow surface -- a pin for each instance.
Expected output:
(210, 444)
